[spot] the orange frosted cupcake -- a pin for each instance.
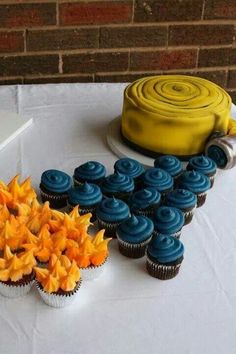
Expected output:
(59, 283)
(16, 273)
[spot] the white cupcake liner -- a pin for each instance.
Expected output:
(133, 250)
(92, 272)
(13, 291)
(176, 234)
(58, 300)
(162, 271)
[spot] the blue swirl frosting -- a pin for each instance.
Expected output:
(170, 164)
(165, 249)
(202, 164)
(217, 155)
(181, 198)
(129, 167)
(56, 181)
(90, 171)
(136, 229)
(157, 178)
(168, 220)
(85, 195)
(112, 210)
(194, 181)
(117, 182)
(144, 198)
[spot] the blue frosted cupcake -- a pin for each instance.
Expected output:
(170, 164)
(204, 165)
(168, 221)
(131, 168)
(54, 187)
(91, 172)
(197, 183)
(118, 186)
(110, 213)
(159, 179)
(184, 200)
(164, 257)
(87, 196)
(133, 236)
(145, 201)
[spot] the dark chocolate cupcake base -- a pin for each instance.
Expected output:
(201, 198)
(57, 201)
(176, 234)
(110, 227)
(85, 210)
(162, 271)
(133, 250)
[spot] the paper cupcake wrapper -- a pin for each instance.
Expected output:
(83, 211)
(56, 201)
(13, 291)
(110, 228)
(212, 179)
(133, 250)
(58, 300)
(162, 271)
(176, 234)
(201, 198)
(92, 272)
(188, 215)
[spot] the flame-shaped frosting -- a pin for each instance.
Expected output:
(21, 193)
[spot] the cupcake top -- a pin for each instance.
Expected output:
(194, 181)
(90, 171)
(168, 220)
(170, 164)
(129, 167)
(181, 198)
(112, 210)
(144, 198)
(118, 182)
(136, 229)
(56, 181)
(86, 194)
(165, 249)
(157, 178)
(202, 164)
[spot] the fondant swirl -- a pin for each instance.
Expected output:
(144, 198)
(129, 167)
(202, 164)
(165, 249)
(85, 194)
(135, 229)
(168, 220)
(56, 181)
(157, 178)
(170, 164)
(90, 171)
(194, 181)
(181, 198)
(111, 209)
(117, 182)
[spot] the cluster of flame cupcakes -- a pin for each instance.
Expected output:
(42, 245)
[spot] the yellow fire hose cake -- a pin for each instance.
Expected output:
(174, 114)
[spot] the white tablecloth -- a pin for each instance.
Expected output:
(125, 311)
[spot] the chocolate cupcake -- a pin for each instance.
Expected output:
(184, 200)
(118, 186)
(204, 165)
(145, 201)
(110, 213)
(168, 221)
(91, 172)
(164, 257)
(197, 183)
(133, 236)
(54, 187)
(87, 196)
(170, 164)
(159, 179)
(131, 168)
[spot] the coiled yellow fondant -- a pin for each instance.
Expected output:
(174, 114)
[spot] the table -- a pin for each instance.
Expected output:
(125, 311)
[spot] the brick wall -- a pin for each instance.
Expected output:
(116, 41)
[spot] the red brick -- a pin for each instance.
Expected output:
(95, 62)
(232, 79)
(62, 39)
(232, 93)
(135, 36)
(168, 10)
(98, 12)
(23, 65)
(126, 77)
(216, 57)
(201, 34)
(163, 60)
(220, 9)
(58, 79)
(11, 42)
(12, 81)
(27, 15)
